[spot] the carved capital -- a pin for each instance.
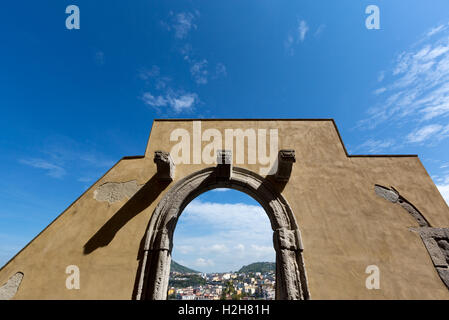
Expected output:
(165, 166)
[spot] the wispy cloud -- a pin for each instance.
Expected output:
(444, 190)
(199, 71)
(178, 101)
(436, 30)
(303, 28)
(443, 186)
(183, 24)
(380, 90)
(319, 30)
(60, 155)
(381, 76)
(52, 169)
(220, 70)
(99, 58)
(415, 91)
(435, 131)
(375, 146)
(201, 262)
(299, 34)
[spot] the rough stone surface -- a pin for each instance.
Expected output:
(436, 241)
(116, 191)
(387, 194)
(286, 239)
(393, 196)
(9, 289)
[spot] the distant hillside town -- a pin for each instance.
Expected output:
(255, 281)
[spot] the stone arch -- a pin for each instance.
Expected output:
(291, 281)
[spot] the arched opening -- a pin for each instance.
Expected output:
(291, 283)
(222, 249)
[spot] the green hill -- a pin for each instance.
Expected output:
(176, 267)
(259, 267)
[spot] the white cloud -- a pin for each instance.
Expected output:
(436, 30)
(199, 71)
(146, 74)
(201, 262)
(52, 169)
(424, 133)
(183, 23)
(220, 70)
(176, 100)
(302, 30)
(375, 146)
(240, 247)
(153, 101)
(381, 76)
(238, 216)
(182, 102)
(320, 30)
(444, 190)
(299, 35)
(185, 249)
(380, 90)
(415, 93)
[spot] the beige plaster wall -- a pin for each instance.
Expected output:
(345, 226)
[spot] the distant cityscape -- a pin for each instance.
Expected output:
(252, 282)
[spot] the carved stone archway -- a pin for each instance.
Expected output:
(291, 282)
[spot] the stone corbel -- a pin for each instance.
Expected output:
(224, 164)
(165, 166)
(286, 158)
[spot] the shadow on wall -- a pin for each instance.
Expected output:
(139, 202)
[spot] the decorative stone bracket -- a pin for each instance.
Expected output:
(286, 158)
(224, 164)
(165, 166)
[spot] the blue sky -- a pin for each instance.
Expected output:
(74, 102)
